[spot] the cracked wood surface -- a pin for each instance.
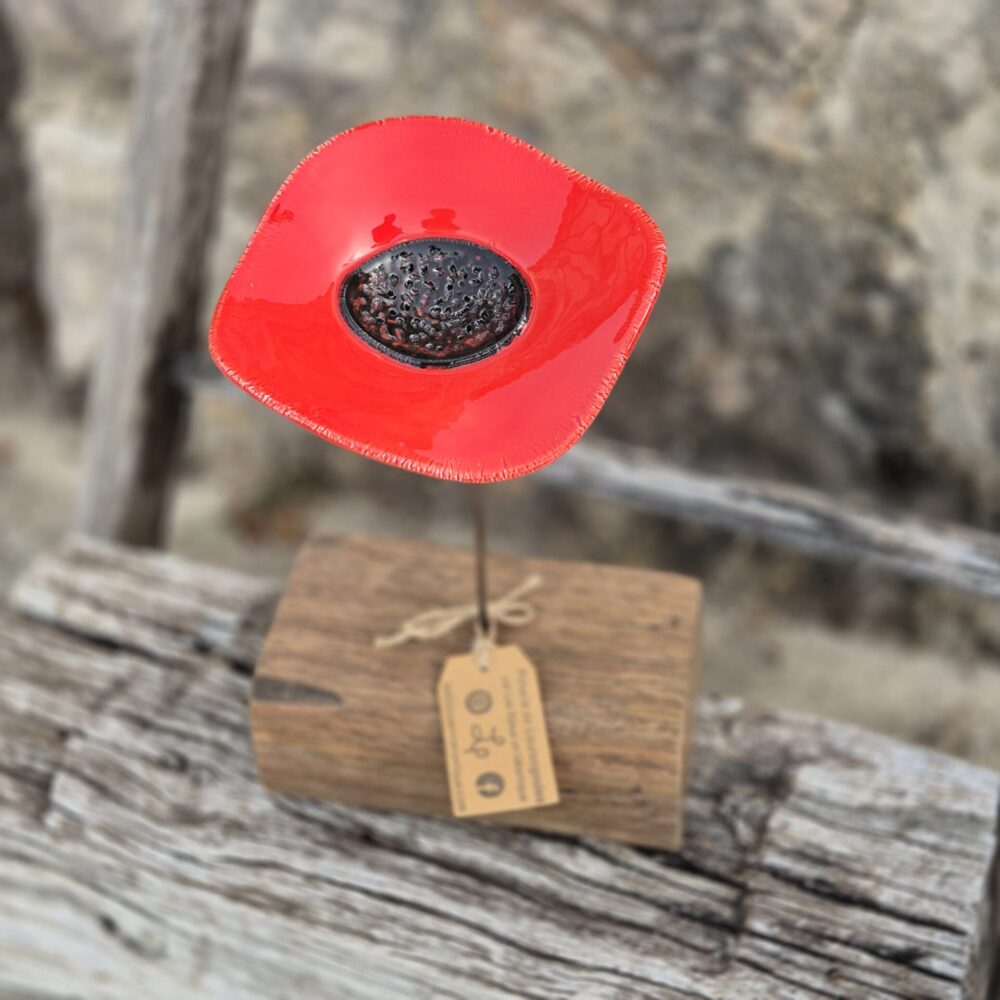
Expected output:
(139, 856)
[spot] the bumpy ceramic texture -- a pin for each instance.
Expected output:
(436, 302)
(593, 262)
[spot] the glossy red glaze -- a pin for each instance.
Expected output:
(593, 261)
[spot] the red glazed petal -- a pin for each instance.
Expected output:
(592, 260)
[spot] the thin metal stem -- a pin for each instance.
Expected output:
(479, 526)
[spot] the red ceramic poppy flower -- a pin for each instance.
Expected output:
(438, 295)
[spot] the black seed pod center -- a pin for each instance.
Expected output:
(436, 302)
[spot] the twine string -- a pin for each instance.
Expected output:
(510, 610)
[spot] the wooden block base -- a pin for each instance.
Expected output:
(617, 652)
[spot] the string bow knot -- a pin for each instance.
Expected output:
(511, 610)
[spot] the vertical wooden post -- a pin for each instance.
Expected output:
(137, 411)
(23, 332)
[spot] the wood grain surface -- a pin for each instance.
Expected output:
(140, 857)
(617, 653)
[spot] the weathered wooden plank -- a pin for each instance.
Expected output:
(147, 600)
(797, 518)
(140, 856)
(617, 651)
(817, 524)
(136, 409)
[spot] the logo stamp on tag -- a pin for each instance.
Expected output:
(495, 741)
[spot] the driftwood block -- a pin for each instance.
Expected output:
(140, 856)
(617, 653)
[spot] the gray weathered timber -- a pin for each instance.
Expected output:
(24, 348)
(137, 411)
(140, 856)
(811, 522)
(797, 518)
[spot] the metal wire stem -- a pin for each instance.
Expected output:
(479, 527)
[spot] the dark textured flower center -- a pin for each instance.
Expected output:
(436, 302)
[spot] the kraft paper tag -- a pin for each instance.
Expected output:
(495, 742)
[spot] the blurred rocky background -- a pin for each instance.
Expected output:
(827, 174)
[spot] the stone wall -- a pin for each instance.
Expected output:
(827, 175)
